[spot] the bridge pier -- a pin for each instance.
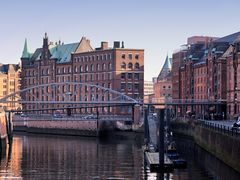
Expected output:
(136, 114)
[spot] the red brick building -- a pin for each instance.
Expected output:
(207, 70)
(117, 68)
(163, 84)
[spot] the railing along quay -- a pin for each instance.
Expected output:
(220, 128)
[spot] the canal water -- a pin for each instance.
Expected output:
(58, 157)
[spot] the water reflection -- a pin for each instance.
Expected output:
(59, 157)
(52, 157)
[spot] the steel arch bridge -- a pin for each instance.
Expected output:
(69, 93)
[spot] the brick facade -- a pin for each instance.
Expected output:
(117, 68)
(206, 71)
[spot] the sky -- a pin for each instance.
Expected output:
(157, 26)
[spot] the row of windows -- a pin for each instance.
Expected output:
(93, 58)
(79, 78)
(201, 71)
(4, 81)
(129, 86)
(130, 65)
(130, 56)
(81, 68)
(136, 76)
(93, 67)
(164, 87)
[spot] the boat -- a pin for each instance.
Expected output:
(173, 155)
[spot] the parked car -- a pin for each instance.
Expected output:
(90, 116)
(236, 125)
(23, 115)
(57, 116)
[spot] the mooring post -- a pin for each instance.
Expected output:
(97, 122)
(161, 137)
(146, 127)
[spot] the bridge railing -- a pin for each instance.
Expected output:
(220, 128)
(90, 117)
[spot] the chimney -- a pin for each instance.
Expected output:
(122, 44)
(104, 45)
(116, 44)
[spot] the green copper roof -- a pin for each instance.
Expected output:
(25, 53)
(63, 52)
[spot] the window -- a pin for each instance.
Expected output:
(86, 68)
(136, 76)
(123, 75)
(136, 66)
(129, 86)
(136, 56)
(123, 86)
(123, 56)
(110, 66)
(104, 66)
(130, 65)
(123, 65)
(81, 69)
(130, 56)
(129, 75)
(92, 67)
(136, 87)
(109, 56)
(98, 67)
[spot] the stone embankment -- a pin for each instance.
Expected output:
(222, 144)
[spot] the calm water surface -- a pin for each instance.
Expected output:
(58, 157)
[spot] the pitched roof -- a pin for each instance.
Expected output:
(63, 52)
(5, 67)
(60, 52)
(230, 38)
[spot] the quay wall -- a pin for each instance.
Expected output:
(63, 127)
(223, 146)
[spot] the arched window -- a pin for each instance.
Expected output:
(123, 65)
(86, 68)
(130, 65)
(110, 66)
(98, 67)
(81, 69)
(104, 66)
(136, 66)
(92, 67)
(75, 68)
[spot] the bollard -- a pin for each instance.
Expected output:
(161, 137)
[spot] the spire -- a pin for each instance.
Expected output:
(25, 53)
(167, 63)
(166, 69)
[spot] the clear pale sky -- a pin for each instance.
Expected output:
(158, 26)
